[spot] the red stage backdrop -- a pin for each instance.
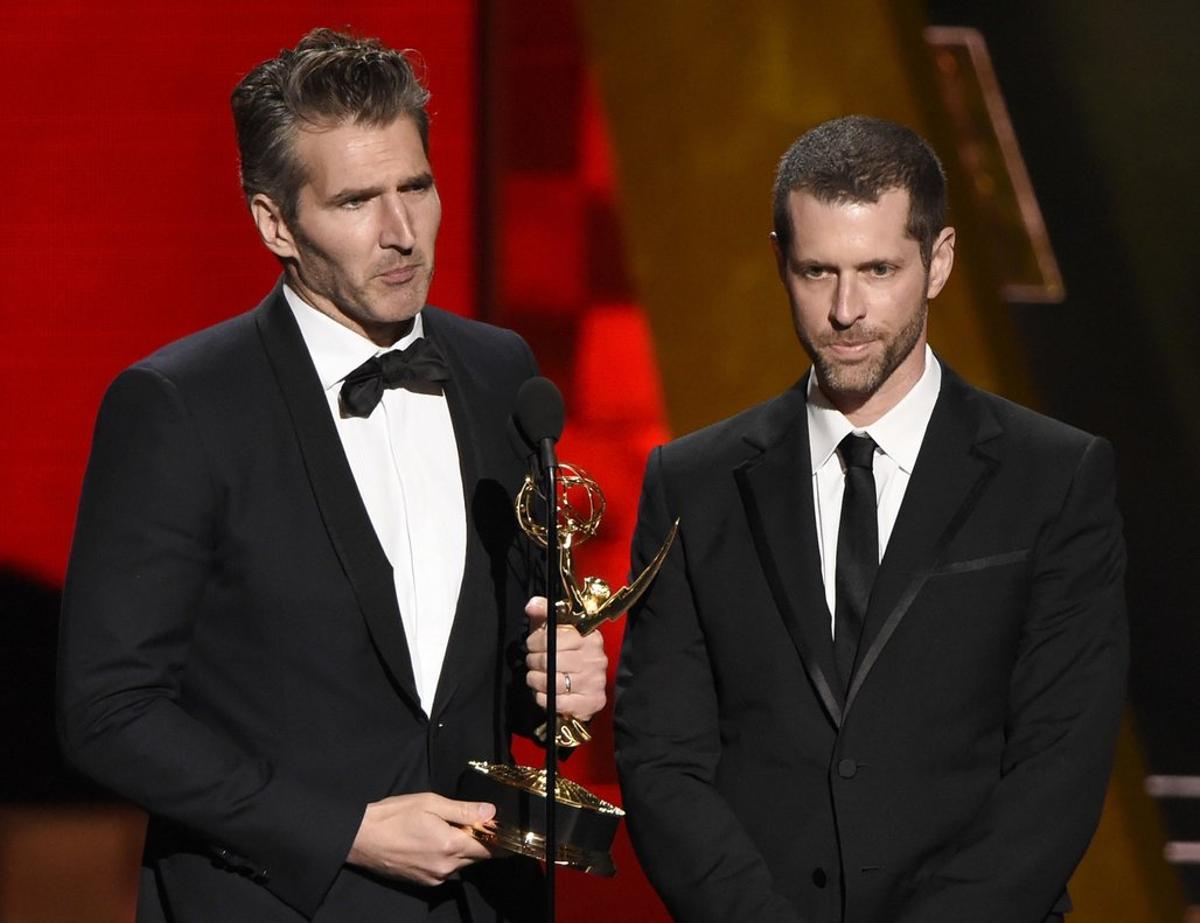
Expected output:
(124, 228)
(123, 225)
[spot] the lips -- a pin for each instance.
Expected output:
(398, 275)
(848, 347)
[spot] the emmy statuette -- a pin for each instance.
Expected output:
(585, 825)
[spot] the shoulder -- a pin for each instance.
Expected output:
(455, 330)
(1038, 455)
(223, 360)
(210, 350)
(494, 359)
(1023, 427)
(738, 438)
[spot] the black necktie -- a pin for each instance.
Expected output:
(857, 550)
(421, 367)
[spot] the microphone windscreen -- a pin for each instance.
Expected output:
(539, 411)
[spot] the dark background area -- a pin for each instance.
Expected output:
(1105, 100)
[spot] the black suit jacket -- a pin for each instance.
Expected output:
(232, 656)
(962, 775)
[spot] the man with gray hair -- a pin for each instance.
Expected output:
(293, 609)
(879, 677)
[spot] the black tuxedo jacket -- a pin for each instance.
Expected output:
(232, 656)
(961, 775)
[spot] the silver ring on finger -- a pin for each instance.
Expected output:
(567, 682)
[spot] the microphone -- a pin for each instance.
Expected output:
(538, 415)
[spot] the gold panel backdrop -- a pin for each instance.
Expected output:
(702, 99)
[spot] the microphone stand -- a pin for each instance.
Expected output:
(553, 581)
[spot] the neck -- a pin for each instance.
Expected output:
(381, 334)
(863, 409)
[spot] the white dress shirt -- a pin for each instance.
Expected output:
(405, 462)
(898, 435)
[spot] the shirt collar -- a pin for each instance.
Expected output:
(337, 350)
(898, 433)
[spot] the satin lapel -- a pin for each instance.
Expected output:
(469, 402)
(776, 491)
(957, 459)
(346, 520)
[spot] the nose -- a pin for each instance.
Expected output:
(396, 231)
(848, 305)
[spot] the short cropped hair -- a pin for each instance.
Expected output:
(328, 79)
(857, 158)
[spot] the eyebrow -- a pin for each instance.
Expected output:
(814, 263)
(422, 180)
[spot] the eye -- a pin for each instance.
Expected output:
(814, 272)
(881, 270)
(424, 184)
(353, 204)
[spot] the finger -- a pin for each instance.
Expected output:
(536, 680)
(594, 641)
(536, 661)
(535, 609)
(568, 639)
(578, 684)
(576, 705)
(586, 660)
(472, 850)
(463, 813)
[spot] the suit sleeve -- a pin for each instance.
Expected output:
(143, 554)
(1065, 702)
(691, 845)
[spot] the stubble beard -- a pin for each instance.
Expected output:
(862, 379)
(355, 300)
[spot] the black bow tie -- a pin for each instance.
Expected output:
(421, 368)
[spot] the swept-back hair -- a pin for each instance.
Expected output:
(328, 79)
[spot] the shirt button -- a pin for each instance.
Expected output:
(819, 878)
(847, 768)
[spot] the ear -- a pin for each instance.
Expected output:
(780, 257)
(272, 227)
(941, 261)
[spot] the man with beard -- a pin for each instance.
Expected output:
(879, 677)
(293, 609)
